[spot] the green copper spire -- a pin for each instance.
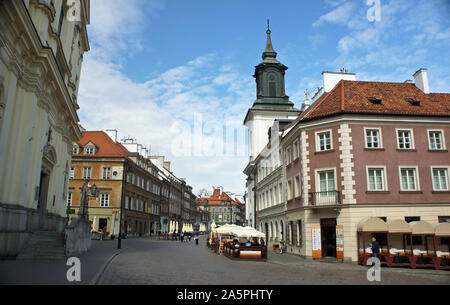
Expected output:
(269, 54)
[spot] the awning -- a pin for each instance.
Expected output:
(421, 228)
(442, 229)
(372, 224)
(399, 226)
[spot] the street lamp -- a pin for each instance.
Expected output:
(126, 167)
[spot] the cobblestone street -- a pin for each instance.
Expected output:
(150, 261)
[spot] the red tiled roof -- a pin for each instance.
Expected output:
(106, 147)
(217, 198)
(352, 97)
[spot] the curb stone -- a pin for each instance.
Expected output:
(96, 278)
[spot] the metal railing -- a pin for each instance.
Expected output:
(324, 198)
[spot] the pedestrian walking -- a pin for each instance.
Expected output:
(190, 236)
(375, 248)
(196, 240)
(181, 236)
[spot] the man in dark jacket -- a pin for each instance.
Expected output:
(375, 248)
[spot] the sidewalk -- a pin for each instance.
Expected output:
(54, 273)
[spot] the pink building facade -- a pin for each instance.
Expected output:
(365, 149)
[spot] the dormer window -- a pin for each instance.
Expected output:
(374, 100)
(75, 150)
(89, 150)
(413, 102)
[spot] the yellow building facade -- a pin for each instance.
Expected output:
(42, 43)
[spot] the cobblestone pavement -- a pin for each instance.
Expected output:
(150, 261)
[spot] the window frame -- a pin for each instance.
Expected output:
(380, 137)
(321, 170)
(106, 177)
(102, 204)
(384, 176)
(447, 170)
(297, 187)
(318, 133)
(417, 180)
(411, 131)
(441, 131)
(84, 172)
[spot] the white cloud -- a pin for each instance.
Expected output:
(339, 15)
(161, 110)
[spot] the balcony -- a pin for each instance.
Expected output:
(327, 198)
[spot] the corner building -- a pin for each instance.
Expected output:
(365, 149)
(41, 53)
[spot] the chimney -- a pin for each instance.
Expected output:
(421, 80)
(330, 79)
(112, 133)
(166, 165)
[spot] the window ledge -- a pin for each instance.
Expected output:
(438, 150)
(378, 192)
(369, 149)
(441, 192)
(406, 149)
(324, 151)
(410, 192)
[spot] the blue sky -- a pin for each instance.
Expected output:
(157, 68)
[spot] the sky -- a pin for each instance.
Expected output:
(177, 75)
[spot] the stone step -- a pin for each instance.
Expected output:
(44, 246)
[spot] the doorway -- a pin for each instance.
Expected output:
(328, 233)
(42, 200)
(102, 224)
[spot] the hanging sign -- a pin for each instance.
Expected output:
(340, 242)
(316, 242)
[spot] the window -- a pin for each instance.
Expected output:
(373, 138)
(272, 89)
(107, 173)
(75, 150)
(127, 202)
(296, 150)
(323, 141)
(288, 156)
(299, 233)
(435, 138)
(409, 219)
(86, 173)
(69, 199)
(297, 186)
(72, 173)
(89, 151)
(376, 179)
(405, 139)
(442, 219)
(104, 200)
(289, 190)
(327, 181)
(275, 193)
(408, 179)
(440, 179)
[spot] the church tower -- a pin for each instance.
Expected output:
(271, 100)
